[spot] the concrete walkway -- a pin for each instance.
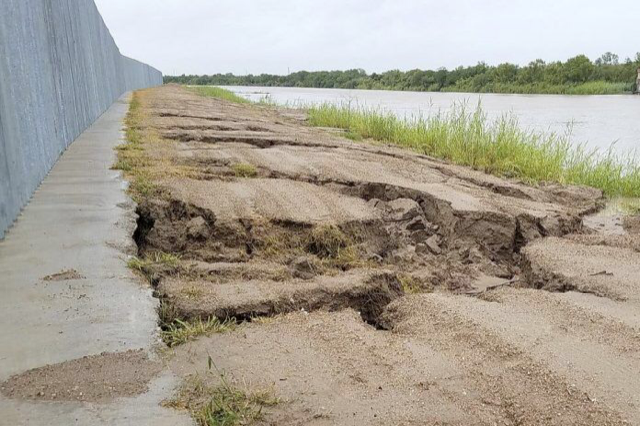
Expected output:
(80, 218)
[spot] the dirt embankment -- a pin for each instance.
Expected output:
(390, 288)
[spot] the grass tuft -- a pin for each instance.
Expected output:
(499, 147)
(230, 406)
(220, 93)
(179, 332)
(154, 264)
(327, 241)
(412, 285)
(224, 404)
(244, 170)
(154, 258)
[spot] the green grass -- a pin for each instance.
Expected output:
(599, 88)
(244, 170)
(155, 264)
(589, 88)
(220, 93)
(132, 158)
(179, 332)
(153, 259)
(230, 406)
(500, 147)
(224, 404)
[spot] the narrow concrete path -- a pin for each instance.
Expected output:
(80, 218)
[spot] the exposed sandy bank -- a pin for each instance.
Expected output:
(388, 287)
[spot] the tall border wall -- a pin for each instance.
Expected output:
(60, 69)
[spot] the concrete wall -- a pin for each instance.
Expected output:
(60, 69)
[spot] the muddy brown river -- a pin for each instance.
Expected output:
(596, 121)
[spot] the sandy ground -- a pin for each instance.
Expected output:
(469, 299)
(378, 286)
(96, 378)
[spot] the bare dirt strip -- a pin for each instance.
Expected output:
(373, 285)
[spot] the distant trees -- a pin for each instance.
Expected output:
(577, 70)
(608, 59)
(576, 75)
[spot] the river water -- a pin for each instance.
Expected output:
(596, 121)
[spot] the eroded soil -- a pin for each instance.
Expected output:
(379, 286)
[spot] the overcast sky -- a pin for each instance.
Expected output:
(277, 36)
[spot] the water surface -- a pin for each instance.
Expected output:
(597, 121)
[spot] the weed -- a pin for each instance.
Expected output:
(327, 241)
(224, 404)
(232, 406)
(244, 170)
(142, 186)
(345, 258)
(626, 206)
(145, 157)
(167, 314)
(267, 100)
(498, 146)
(220, 93)
(179, 332)
(193, 292)
(353, 136)
(154, 258)
(137, 264)
(155, 263)
(410, 284)
(122, 164)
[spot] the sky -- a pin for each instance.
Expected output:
(282, 36)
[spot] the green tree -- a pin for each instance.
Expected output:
(578, 69)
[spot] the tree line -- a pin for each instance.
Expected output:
(577, 75)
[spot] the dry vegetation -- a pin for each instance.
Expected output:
(223, 403)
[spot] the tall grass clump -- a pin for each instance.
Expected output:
(179, 332)
(220, 93)
(599, 88)
(498, 146)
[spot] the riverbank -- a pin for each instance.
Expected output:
(499, 147)
(598, 87)
(316, 280)
(465, 135)
(575, 76)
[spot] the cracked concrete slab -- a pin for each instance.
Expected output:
(79, 219)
